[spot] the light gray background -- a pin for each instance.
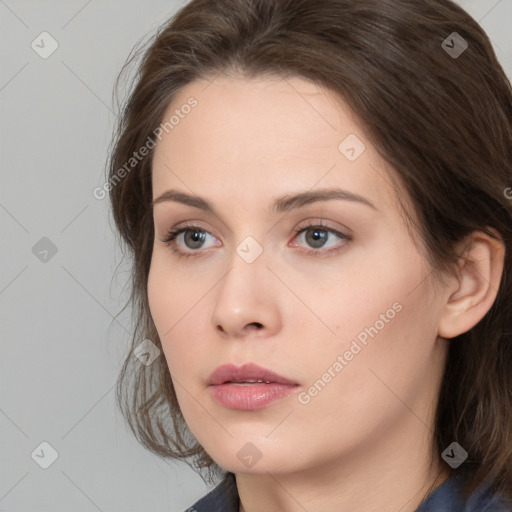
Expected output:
(61, 347)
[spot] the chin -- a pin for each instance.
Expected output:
(255, 457)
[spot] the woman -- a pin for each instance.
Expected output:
(316, 197)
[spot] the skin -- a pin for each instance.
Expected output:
(364, 442)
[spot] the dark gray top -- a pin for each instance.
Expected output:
(446, 498)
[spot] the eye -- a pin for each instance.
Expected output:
(191, 240)
(187, 240)
(322, 237)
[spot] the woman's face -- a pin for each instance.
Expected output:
(296, 258)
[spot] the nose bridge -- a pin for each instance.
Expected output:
(245, 293)
(244, 283)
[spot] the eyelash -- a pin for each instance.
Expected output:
(170, 239)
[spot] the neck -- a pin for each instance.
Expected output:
(387, 474)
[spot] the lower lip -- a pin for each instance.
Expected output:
(248, 397)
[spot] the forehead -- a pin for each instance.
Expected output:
(269, 135)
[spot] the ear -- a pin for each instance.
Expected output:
(473, 291)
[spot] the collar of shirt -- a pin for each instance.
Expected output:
(447, 497)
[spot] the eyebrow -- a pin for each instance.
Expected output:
(280, 205)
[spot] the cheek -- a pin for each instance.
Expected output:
(355, 296)
(378, 316)
(352, 400)
(177, 307)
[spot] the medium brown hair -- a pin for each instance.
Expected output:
(442, 122)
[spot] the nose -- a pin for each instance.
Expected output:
(247, 301)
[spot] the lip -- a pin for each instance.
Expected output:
(230, 372)
(250, 396)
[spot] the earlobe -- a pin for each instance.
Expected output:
(475, 289)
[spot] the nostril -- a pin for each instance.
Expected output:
(252, 325)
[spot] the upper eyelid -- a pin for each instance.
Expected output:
(179, 229)
(306, 223)
(188, 225)
(301, 226)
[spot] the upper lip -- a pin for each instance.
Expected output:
(231, 373)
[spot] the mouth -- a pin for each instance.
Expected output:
(248, 387)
